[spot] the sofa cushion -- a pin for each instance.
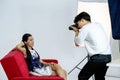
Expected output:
(15, 65)
(39, 78)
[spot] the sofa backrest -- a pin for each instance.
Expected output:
(14, 64)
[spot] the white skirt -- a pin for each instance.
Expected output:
(44, 71)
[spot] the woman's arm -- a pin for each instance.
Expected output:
(21, 47)
(47, 64)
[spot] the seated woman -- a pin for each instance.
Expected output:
(35, 64)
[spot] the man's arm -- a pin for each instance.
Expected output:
(76, 40)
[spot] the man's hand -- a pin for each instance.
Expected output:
(76, 45)
(75, 29)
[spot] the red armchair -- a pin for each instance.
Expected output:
(16, 68)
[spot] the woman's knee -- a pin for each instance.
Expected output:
(65, 71)
(57, 67)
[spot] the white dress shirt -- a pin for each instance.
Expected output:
(93, 37)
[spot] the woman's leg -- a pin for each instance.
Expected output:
(53, 73)
(59, 71)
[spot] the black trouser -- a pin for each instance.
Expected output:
(98, 69)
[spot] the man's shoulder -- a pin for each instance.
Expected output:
(95, 23)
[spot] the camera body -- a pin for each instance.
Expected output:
(74, 25)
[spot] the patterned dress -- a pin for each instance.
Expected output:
(36, 67)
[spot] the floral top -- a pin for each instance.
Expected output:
(35, 63)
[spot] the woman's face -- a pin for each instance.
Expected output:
(30, 42)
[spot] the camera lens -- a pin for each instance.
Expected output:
(74, 25)
(70, 28)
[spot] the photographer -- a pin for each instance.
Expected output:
(93, 37)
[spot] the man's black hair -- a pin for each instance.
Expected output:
(82, 15)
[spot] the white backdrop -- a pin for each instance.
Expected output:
(47, 21)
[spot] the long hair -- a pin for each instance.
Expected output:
(29, 56)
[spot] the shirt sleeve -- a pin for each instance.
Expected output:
(80, 40)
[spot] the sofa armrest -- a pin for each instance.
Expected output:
(50, 60)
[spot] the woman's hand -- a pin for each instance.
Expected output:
(52, 64)
(21, 44)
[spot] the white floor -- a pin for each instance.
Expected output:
(112, 78)
(113, 73)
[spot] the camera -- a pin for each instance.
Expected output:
(74, 25)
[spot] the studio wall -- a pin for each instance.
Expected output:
(48, 22)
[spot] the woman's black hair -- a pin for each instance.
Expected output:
(82, 15)
(29, 56)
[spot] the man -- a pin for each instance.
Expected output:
(93, 37)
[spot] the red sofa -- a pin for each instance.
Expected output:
(16, 68)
